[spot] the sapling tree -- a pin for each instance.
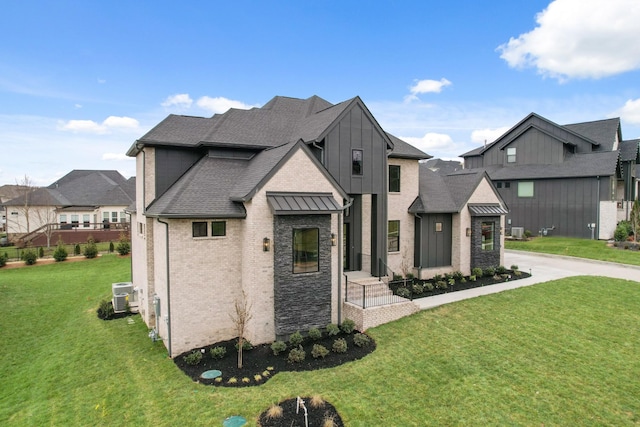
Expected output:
(241, 318)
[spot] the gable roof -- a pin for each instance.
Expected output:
(83, 188)
(600, 134)
(236, 181)
(443, 167)
(401, 149)
(446, 193)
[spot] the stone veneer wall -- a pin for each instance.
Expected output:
(481, 258)
(301, 300)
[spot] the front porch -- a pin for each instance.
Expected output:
(369, 302)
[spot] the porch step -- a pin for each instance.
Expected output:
(374, 288)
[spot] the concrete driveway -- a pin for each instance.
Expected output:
(543, 268)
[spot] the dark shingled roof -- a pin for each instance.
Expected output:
(84, 188)
(444, 193)
(629, 150)
(601, 131)
(401, 149)
(443, 167)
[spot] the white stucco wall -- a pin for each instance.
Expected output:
(608, 219)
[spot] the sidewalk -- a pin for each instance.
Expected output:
(543, 268)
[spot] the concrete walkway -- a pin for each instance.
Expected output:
(543, 268)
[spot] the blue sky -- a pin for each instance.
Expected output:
(80, 81)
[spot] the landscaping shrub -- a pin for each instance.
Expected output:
(278, 347)
(458, 275)
(514, 267)
(193, 358)
(501, 269)
(296, 355)
(40, 252)
(437, 277)
(417, 288)
(124, 247)
(348, 326)
(489, 272)
(60, 254)
(91, 250)
(428, 286)
(477, 272)
(76, 249)
(105, 310)
(295, 339)
(3, 260)
(623, 231)
(315, 334)
(473, 277)
(403, 292)
(332, 329)
(410, 276)
(361, 340)
(340, 345)
(441, 284)
(527, 233)
(29, 257)
(111, 247)
(246, 345)
(319, 351)
(218, 352)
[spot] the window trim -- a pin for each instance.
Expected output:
(523, 191)
(224, 228)
(359, 163)
(489, 244)
(390, 236)
(511, 154)
(296, 265)
(199, 224)
(395, 180)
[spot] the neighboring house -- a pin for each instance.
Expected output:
(273, 204)
(444, 167)
(7, 192)
(83, 200)
(565, 180)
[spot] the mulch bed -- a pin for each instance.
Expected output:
(259, 364)
(317, 415)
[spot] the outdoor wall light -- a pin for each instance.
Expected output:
(334, 240)
(468, 232)
(266, 244)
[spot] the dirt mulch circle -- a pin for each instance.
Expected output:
(318, 414)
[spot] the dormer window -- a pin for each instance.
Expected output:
(511, 155)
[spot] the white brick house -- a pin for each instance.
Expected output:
(274, 202)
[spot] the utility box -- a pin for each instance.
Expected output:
(517, 232)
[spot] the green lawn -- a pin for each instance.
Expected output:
(558, 353)
(583, 248)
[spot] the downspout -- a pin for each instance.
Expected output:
(597, 236)
(339, 272)
(166, 224)
(419, 245)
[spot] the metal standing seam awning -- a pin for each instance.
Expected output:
(302, 203)
(487, 209)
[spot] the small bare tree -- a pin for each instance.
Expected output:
(26, 188)
(241, 318)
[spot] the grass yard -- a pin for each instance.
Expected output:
(558, 353)
(582, 248)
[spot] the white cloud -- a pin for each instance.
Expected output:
(430, 141)
(220, 104)
(182, 100)
(630, 112)
(487, 135)
(111, 123)
(429, 86)
(579, 39)
(101, 81)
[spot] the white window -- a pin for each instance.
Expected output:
(525, 189)
(511, 155)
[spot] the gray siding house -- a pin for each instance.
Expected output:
(561, 179)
